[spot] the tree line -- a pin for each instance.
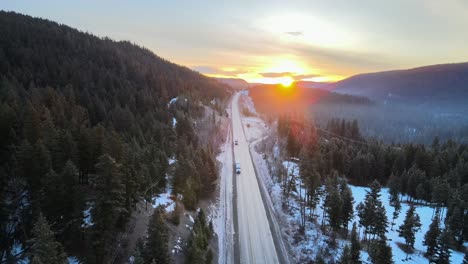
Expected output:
(417, 173)
(86, 121)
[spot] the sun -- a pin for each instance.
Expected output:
(286, 81)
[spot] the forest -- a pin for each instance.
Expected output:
(87, 121)
(329, 158)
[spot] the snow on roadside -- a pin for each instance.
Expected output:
(222, 216)
(249, 104)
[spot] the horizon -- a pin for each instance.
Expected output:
(270, 42)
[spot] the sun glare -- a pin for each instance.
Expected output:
(285, 81)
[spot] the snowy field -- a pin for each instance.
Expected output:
(425, 214)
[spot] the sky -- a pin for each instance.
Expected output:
(275, 41)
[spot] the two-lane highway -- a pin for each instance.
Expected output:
(256, 243)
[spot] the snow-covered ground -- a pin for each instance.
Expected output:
(87, 217)
(256, 128)
(166, 200)
(222, 214)
(425, 214)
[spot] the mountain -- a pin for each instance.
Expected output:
(443, 83)
(311, 84)
(87, 130)
(235, 83)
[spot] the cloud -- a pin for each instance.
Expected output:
(304, 76)
(288, 74)
(216, 71)
(275, 74)
(294, 33)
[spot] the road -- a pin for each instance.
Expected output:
(256, 243)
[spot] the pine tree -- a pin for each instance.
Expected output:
(410, 226)
(110, 206)
(198, 245)
(372, 213)
(381, 253)
(442, 251)
(333, 206)
(44, 247)
(355, 246)
(345, 256)
(347, 206)
(156, 247)
(465, 259)
(431, 236)
(395, 202)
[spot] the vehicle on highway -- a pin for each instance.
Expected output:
(238, 168)
(235, 142)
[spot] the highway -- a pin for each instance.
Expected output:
(256, 243)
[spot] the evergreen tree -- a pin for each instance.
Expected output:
(442, 250)
(44, 247)
(333, 205)
(156, 247)
(355, 246)
(395, 202)
(372, 213)
(347, 204)
(431, 236)
(381, 253)
(410, 226)
(345, 256)
(110, 208)
(198, 245)
(465, 259)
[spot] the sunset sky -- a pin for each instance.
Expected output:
(275, 41)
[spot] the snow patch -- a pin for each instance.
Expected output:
(171, 160)
(173, 100)
(166, 200)
(73, 260)
(87, 217)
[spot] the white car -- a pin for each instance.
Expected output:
(238, 169)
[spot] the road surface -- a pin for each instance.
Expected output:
(256, 243)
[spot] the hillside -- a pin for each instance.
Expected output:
(235, 83)
(444, 83)
(89, 128)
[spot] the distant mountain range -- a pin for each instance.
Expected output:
(442, 83)
(435, 83)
